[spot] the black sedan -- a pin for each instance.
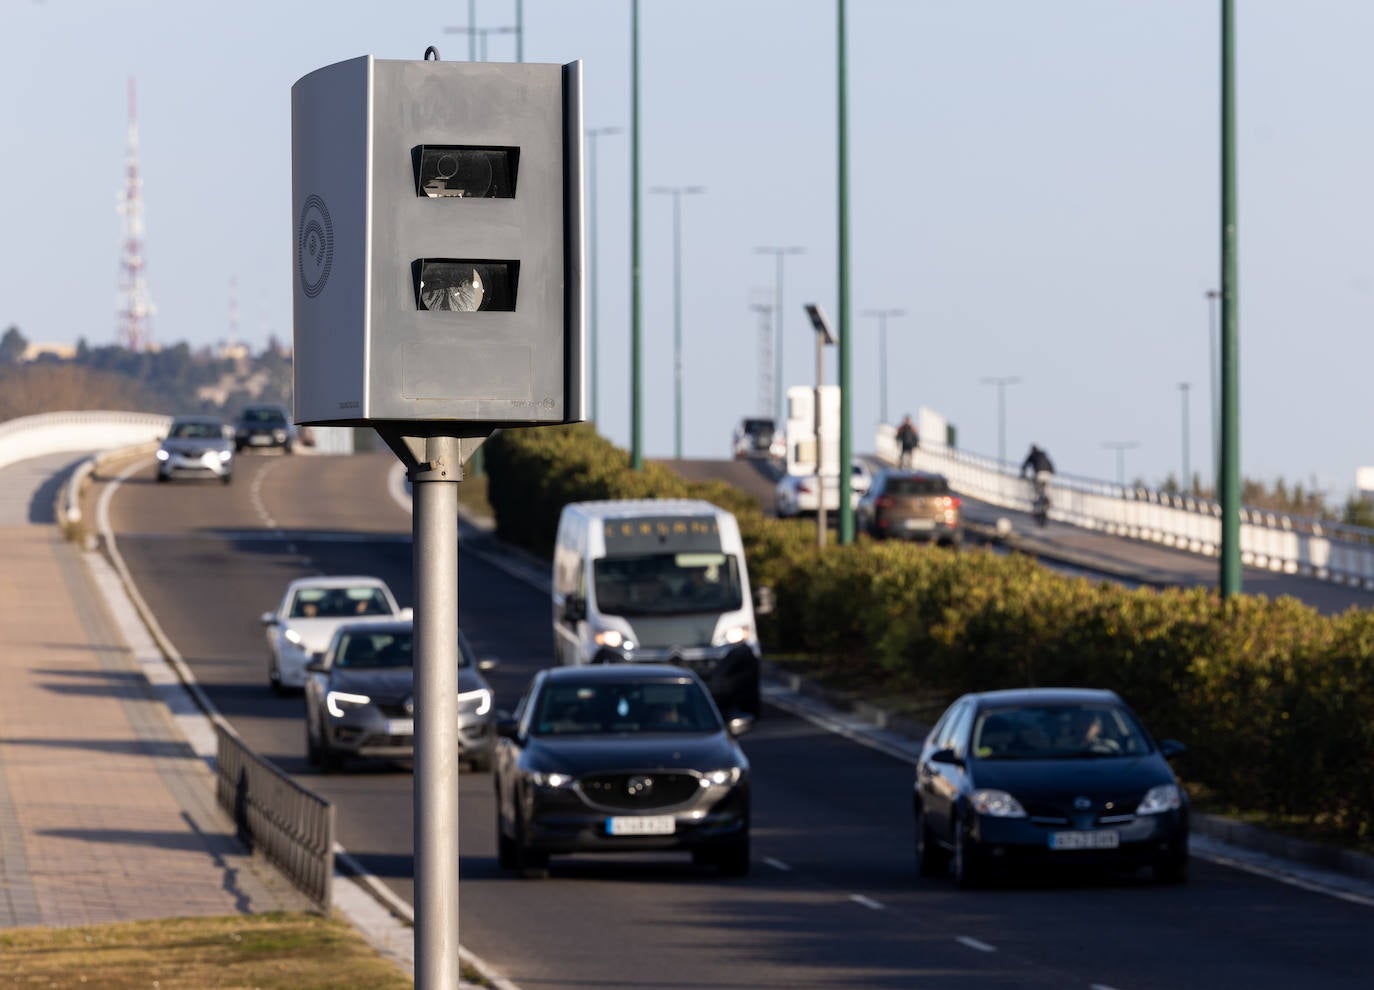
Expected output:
(1057, 777)
(621, 758)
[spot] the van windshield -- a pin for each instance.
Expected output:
(667, 584)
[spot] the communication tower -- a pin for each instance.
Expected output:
(134, 306)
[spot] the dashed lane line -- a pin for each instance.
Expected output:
(778, 865)
(973, 943)
(867, 902)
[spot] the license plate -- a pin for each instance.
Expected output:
(920, 524)
(1085, 840)
(400, 727)
(260, 440)
(641, 825)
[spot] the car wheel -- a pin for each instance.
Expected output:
(932, 859)
(161, 477)
(288, 447)
(480, 763)
(505, 845)
(733, 860)
(969, 872)
(330, 761)
(312, 745)
(532, 863)
(274, 677)
(1171, 871)
(227, 478)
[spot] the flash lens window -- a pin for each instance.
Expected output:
(457, 172)
(450, 286)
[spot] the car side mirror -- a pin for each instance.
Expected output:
(1169, 748)
(317, 666)
(738, 725)
(574, 608)
(269, 618)
(488, 663)
(764, 600)
(506, 726)
(406, 613)
(945, 755)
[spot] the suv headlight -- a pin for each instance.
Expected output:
(162, 454)
(1158, 800)
(335, 700)
(475, 702)
(555, 780)
(721, 778)
(291, 636)
(224, 455)
(997, 804)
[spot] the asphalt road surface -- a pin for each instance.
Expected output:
(833, 900)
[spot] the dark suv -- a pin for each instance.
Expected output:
(264, 426)
(910, 505)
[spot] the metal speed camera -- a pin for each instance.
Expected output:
(437, 244)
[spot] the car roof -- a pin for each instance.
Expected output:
(618, 672)
(195, 418)
(637, 507)
(336, 581)
(915, 475)
(1044, 696)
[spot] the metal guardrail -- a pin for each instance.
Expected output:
(1276, 541)
(291, 825)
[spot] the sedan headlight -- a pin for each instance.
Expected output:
(224, 455)
(555, 780)
(1160, 799)
(162, 455)
(721, 778)
(997, 804)
(335, 700)
(475, 702)
(291, 636)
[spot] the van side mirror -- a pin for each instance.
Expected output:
(507, 726)
(269, 618)
(574, 608)
(945, 756)
(764, 601)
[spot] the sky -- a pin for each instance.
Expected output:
(1035, 184)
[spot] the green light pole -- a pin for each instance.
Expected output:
(1230, 374)
(882, 315)
(677, 192)
(594, 261)
(636, 397)
(846, 534)
(779, 389)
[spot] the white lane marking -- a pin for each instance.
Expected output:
(867, 902)
(255, 495)
(1310, 886)
(778, 865)
(1101, 986)
(973, 943)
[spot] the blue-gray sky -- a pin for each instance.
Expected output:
(1036, 184)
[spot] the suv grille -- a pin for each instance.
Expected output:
(629, 790)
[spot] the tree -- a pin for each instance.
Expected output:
(12, 345)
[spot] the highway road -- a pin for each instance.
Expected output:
(833, 900)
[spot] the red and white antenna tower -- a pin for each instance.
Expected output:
(134, 306)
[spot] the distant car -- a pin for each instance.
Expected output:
(307, 615)
(911, 505)
(264, 426)
(197, 447)
(621, 758)
(1051, 777)
(759, 437)
(360, 698)
(798, 494)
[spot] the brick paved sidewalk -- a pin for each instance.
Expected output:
(105, 812)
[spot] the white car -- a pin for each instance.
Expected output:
(309, 612)
(798, 494)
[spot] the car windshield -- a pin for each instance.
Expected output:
(667, 584)
(622, 708)
(264, 417)
(1070, 731)
(360, 649)
(338, 603)
(760, 431)
(197, 431)
(916, 486)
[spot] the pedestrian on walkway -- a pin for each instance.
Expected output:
(909, 440)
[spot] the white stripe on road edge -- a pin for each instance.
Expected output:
(1310, 886)
(973, 943)
(867, 902)
(1101, 986)
(778, 865)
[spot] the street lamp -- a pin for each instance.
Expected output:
(1213, 297)
(842, 256)
(779, 389)
(1001, 384)
(824, 335)
(1121, 446)
(882, 315)
(1183, 387)
(474, 33)
(677, 192)
(592, 134)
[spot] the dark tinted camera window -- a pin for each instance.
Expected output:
(917, 486)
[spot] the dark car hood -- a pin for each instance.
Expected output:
(1060, 778)
(579, 755)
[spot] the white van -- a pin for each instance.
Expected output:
(658, 581)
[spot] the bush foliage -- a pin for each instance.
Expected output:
(1274, 700)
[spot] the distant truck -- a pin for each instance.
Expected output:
(758, 438)
(658, 581)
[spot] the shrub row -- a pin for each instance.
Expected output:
(1275, 701)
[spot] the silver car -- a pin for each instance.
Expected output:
(360, 698)
(310, 611)
(198, 447)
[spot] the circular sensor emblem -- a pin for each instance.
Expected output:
(314, 246)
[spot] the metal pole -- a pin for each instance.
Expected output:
(1187, 484)
(636, 397)
(882, 315)
(1230, 365)
(846, 534)
(677, 324)
(820, 459)
(595, 262)
(472, 30)
(1121, 446)
(435, 532)
(520, 30)
(779, 389)
(1213, 346)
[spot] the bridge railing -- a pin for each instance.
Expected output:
(1277, 541)
(53, 433)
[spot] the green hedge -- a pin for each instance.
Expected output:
(1275, 701)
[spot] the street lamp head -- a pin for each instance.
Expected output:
(822, 326)
(603, 131)
(884, 312)
(779, 250)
